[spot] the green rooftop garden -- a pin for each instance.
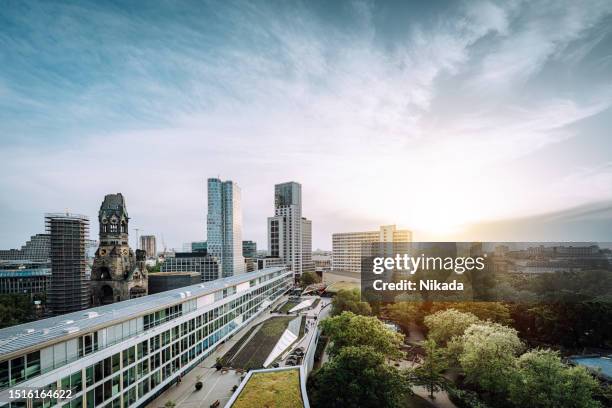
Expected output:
(275, 389)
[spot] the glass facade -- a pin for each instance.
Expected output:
(224, 226)
(173, 340)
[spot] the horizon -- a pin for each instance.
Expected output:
(457, 121)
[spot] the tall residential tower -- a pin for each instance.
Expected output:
(224, 226)
(286, 229)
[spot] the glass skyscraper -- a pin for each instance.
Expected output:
(224, 226)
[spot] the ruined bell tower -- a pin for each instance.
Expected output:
(117, 273)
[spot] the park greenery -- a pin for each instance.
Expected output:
(430, 373)
(15, 309)
(474, 351)
(350, 301)
(358, 376)
(349, 329)
(309, 278)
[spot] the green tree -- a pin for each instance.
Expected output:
(350, 329)
(405, 313)
(493, 311)
(15, 309)
(309, 278)
(350, 301)
(358, 377)
(488, 351)
(155, 268)
(449, 323)
(429, 373)
(541, 380)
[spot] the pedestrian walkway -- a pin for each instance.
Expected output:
(217, 385)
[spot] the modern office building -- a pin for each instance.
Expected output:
(249, 249)
(25, 277)
(118, 273)
(307, 263)
(201, 262)
(163, 281)
(149, 245)
(346, 247)
(69, 290)
(285, 236)
(37, 249)
(199, 246)
(270, 261)
(224, 225)
(125, 354)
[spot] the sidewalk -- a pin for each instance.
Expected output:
(216, 385)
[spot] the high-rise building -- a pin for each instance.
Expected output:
(307, 263)
(347, 246)
(249, 249)
(69, 287)
(224, 226)
(117, 273)
(149, 245)
(35, 250)
(285, 228)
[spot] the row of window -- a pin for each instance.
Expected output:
(178, 346)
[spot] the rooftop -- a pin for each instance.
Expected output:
(279, 388)
(18, 338)
(25, 273)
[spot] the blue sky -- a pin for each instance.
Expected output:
(460, 120)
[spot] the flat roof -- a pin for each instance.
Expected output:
(24, 273)
(23, 336)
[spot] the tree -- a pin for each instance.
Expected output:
(488, 354)
(542, 380)
(350, 329)
(309, 278)
(493, 311)
(350, 300)
(429, 373)
(405, 313)
(446, 324)
(358, 377)
(15, 309)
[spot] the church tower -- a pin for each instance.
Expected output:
(117, 273)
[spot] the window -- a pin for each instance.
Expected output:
(33, 364)
(88, 344)
(17, 370)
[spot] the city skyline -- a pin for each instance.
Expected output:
(472, 121)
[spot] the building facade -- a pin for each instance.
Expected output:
(224, 225)
(307, 263)
(117, 273)
(163, 281)
(346, 247)
(24, 279)
(37, 249)
(285, 235)
(204, 264)
(69, 290)
(126, 354)
(249, 249)
(149, 245)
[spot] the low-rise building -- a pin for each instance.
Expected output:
(126, 353)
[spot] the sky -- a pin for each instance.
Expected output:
(458, 120)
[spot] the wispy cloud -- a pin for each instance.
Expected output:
(379, 123)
